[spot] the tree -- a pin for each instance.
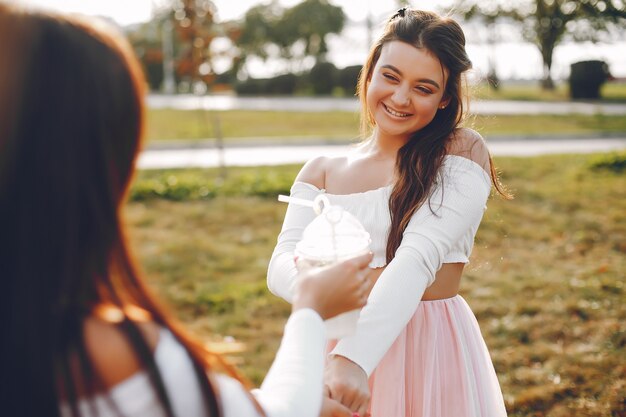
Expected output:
(268, 30)
(311, 22)
(545, 23)
(257, 33)
(146, 42)
(258, 29)
(194, 26)
(191, 31)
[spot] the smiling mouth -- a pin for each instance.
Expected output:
(395, 113)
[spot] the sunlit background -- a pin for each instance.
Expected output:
(546, 279)
(512, 57)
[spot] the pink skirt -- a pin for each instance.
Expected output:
(438, 366)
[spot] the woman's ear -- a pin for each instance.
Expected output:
(444, 102)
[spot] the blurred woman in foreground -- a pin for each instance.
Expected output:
(81, 334)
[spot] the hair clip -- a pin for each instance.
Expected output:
(400, 13)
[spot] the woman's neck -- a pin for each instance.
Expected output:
(384, 145)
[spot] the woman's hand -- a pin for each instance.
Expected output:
(336, 289)
(332, 408)
(346, 382)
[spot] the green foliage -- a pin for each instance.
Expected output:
(546, 22)
(189, 26)
(614, 162)
(194, 185)
(258, 29)
(252, 87)
(348, 78)
(309, 22)
(172, 186)
(282, 85)
(323, 78)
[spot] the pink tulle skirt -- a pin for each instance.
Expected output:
(438, 366)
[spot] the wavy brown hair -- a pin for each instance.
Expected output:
(71, 125)
(418, 162)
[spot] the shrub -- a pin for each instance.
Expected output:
(251, 87)
(615, 162)
(323, 78)
(284, 84)
(193, 185)
(347, 79)
(171, 187)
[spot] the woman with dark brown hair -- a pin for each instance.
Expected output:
(419, 184)
(81, 334)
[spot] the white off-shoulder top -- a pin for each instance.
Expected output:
(292, 387)
(444, 234)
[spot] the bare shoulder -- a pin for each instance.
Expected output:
(470, 144)
(110, 351)
(316, 170)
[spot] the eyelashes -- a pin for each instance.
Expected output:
(420, 89)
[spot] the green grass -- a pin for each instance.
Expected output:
(179, 124)
(610, 92)
(615, 92)
(547, 125)
(171, 125)
(546, 280)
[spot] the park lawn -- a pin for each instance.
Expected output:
(610, 92)
(235, 125)
(546, 279)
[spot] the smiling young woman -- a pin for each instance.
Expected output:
(419, 184)
(401, 97)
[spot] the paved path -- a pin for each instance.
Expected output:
(314, 104)
(294, 154)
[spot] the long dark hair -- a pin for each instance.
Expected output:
(71, 124)
(419, 160)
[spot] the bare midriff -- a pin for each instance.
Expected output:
(446, 285)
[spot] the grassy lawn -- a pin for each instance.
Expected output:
(165, 124)
(180, 124)
(610, 92)
(546, 280)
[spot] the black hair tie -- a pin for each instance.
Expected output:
(400, 13)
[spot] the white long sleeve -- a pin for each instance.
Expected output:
(293, 385)
(459, 206)
(282, 273)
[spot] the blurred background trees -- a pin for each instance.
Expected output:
(184, 48)
(546, 23)
(177, 46)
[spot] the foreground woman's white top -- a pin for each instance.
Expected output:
(430, 239)
(292, 387)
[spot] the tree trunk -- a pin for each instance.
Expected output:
(548, 44)
(547, 83)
